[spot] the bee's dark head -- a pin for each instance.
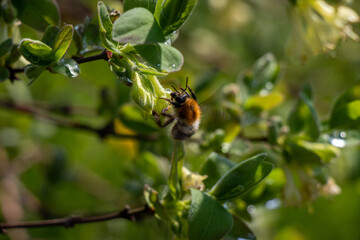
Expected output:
(179, 97)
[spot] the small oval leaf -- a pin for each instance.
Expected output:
(68, 67)
(208, 220)
(137, 26)
(241, 178)
(4, 73)
(161, 56)
(5, 46)
(36, 52)
(50, 35)
(214, 167)
(171, 14)
(62, 42)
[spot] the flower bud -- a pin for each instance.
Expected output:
(141, 93)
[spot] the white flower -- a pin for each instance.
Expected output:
(192, 180)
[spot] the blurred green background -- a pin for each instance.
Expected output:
(49, 171)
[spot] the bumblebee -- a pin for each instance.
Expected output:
(187, 113)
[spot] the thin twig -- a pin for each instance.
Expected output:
(100, 56)
(105, 131)
(127, 213)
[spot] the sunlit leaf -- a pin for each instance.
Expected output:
(36, 52)
(346, 111)
(38, 13)
(305, 152)
(161, 56)
(241, 178)
(62, 42)
(137, 26)
(208, 220)
(171, 14)
(264, 102)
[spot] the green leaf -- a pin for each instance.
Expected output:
(171, 14)
(148, 4)
(215, 167)
(161, 56)
(325, 151)
(308, 153)
(50, 35)
(38, 13)
(87, 36)
(62, 42)
(240, 231)
(242, 178)
(5, 46)
(4, 74)
(264, 102)
(264, 74)
(105, 29)
(33, 72)
(36, 52)
(346, 111)
(13, 56)
(303, 118)
(137, 26)
(208, 220)
(67, 67)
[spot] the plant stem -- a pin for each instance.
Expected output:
(127, 213)
(100, 56)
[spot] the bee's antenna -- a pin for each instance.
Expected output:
(174, 88)
(186, 86)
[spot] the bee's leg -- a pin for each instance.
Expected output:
(175, 104)
(163, 112)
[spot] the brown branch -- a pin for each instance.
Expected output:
(101, 56)
(79, 60)
(107, 130)
(127, 213)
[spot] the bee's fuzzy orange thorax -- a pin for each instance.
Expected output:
(189, 111)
